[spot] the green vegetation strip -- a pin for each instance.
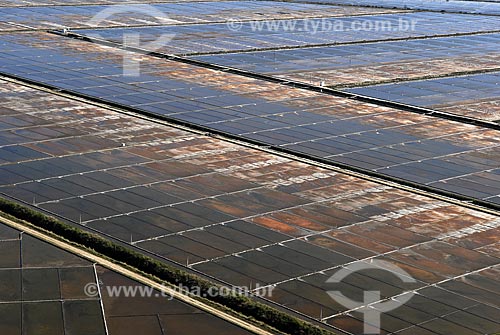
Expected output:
(279, 320)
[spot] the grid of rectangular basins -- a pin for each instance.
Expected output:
(247, 217)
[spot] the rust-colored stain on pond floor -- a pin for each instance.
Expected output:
(248, 217)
